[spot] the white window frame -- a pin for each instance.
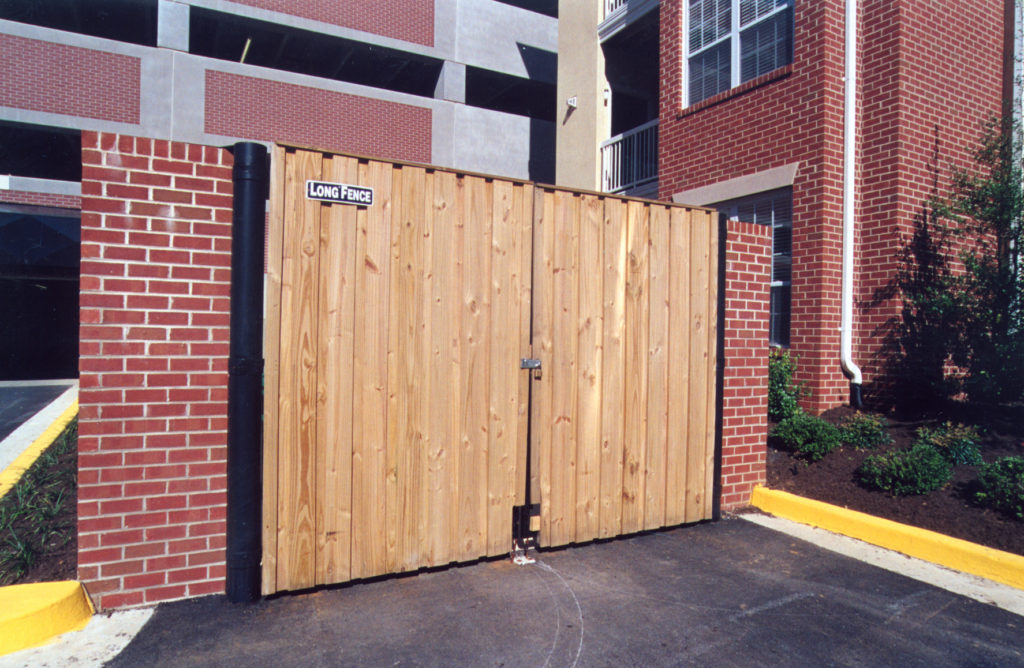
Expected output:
(735, 54)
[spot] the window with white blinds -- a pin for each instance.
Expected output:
(733, 41)
(774, 209)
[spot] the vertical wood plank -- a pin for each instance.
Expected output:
(679, 365)
(711, 388)
(445, 377)
(635, 444)
(614, 366)
(590, 330)
(657, 375)
(541, 409)
(370, 406)
(272, 367)
(297, 405)
(334, 379)
(503, 420)
(471, 540)
(563, 368)
(524, 202)
(699, 352)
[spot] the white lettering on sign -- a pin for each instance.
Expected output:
(339, 192)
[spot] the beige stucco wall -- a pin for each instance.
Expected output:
(580, 74)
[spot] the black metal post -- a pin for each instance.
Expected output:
(245, 372)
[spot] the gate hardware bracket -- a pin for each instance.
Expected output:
(520, 553)
(531, 365)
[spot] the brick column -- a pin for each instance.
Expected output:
(745, 388)
(156, 242)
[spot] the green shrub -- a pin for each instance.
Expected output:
(957, 443)
(1002, 486)
(865, 431)
(784, 393)
(919, 470)
(807, 436)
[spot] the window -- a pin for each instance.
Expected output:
(733, 41)
(774, 209)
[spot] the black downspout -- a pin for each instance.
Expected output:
(250, 175)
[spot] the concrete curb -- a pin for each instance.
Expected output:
(959, 555)
(12, 474)
(32, 614)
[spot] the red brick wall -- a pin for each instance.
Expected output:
(745, 389)
(61, 79)
(918, 72)
(156, 238)
(409, 20)
(923, 114)
(41, 199)
(264, 110)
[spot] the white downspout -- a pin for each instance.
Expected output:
(851, 370)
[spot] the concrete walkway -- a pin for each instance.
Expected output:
(730, 593)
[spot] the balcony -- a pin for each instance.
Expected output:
(619, 14)
(630, 160)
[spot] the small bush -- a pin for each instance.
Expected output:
(807, 436)
(784, 393)
(865, 431)
(1002, 486)
(919, 470)
(957, 443)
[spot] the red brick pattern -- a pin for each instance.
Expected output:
(919, 76)
(156, 238)
(41, 199)
(61, 79)
(745, 388)
(408, 20)
(927, 91)
(264, 110)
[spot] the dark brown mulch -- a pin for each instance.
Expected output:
(949, 510)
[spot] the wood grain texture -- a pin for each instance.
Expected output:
(711, 388)
(679, 364)
(635, 443)
(370, 362)
(334, 379)
(563, 368)
(473, 465)
(590, 325)
(543, 317)
(297, 404)
(613, 386)
(272, 368)
(655, 467)
(445, 375)
(697, 428)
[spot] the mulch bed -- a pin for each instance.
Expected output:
(949, 510)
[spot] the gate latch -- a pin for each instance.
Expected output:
(532, 365)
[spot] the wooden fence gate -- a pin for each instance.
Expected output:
(396, 412)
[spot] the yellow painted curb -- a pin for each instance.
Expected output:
(937, 548)
(12, 474)
(32, 614)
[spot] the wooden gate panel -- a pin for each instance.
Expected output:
(396, 412)
(625, 312)
(338, 228)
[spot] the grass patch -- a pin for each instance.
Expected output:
(38, 515)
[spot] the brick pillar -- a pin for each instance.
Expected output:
(745, 387)
(156, 242)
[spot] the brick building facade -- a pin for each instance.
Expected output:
(930, 75)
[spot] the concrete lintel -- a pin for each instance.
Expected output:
(451, 85)
(172, 26)
(741, 186)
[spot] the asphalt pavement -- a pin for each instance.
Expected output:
(729, 593)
